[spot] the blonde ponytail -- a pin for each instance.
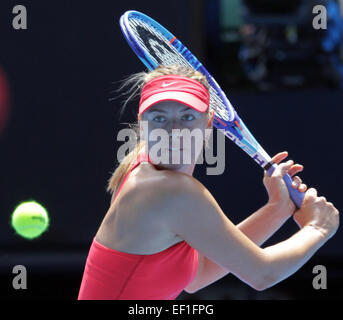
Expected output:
(123, 168)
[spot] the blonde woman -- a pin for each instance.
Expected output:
(164, 232)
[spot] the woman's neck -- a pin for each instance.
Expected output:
(186, 168)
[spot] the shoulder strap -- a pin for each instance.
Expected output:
(142, 157)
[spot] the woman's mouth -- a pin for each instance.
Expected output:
(175, 149)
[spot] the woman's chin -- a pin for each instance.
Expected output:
(173, 159)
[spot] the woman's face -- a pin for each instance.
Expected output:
(174, 133)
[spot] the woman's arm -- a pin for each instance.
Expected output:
(261, 225)
(258, 227)
(193, 214)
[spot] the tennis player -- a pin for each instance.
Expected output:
(164, 232)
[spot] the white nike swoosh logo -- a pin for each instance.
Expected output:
(167, 84)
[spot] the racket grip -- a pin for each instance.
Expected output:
(294, 194)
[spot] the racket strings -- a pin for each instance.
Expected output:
(168, 55)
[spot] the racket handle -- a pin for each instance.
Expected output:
(294, 194)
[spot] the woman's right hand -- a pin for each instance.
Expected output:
(317, 212)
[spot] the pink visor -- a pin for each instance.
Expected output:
(177, 88)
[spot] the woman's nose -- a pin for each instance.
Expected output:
(174, 124)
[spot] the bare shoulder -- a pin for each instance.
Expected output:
(171, 182)
(164, 192)
(168, 186)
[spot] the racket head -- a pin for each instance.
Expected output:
(155, 45)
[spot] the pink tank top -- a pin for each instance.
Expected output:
(114, 275)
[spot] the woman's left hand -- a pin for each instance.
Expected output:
(275, 185)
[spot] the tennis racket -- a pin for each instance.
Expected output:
(155, 46)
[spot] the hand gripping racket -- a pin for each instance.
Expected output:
(155, 46)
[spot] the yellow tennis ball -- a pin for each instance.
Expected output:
(30, 219)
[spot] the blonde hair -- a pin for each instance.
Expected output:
(135, 83)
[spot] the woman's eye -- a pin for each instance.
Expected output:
(188, 117)
(160, 119)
